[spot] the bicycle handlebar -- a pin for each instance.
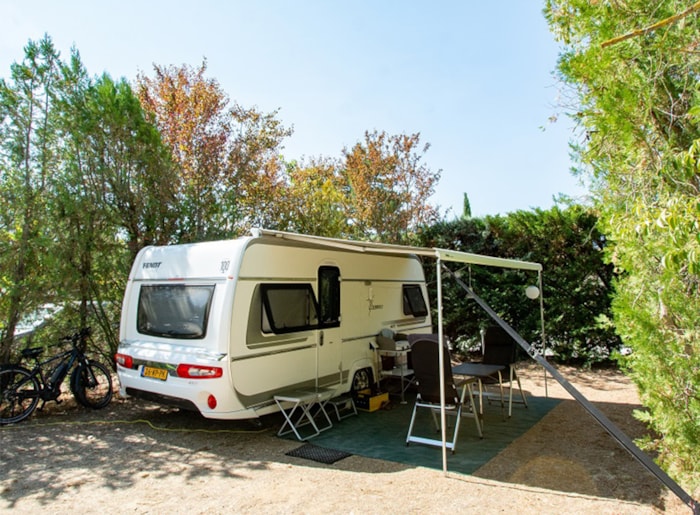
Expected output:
(79, 336)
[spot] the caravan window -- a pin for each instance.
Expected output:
(329, 295)
(288, 308)
(174, 310)
(413, 301)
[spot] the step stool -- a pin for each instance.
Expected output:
(344, 406)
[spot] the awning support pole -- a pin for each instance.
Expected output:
(441, 358)
(544, 341)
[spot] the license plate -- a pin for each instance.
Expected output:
(155, 373)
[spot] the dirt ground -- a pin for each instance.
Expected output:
(133, 457)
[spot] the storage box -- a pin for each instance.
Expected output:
(366, 401)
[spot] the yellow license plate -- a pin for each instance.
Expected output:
(155, 373)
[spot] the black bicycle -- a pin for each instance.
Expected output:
(22, 389)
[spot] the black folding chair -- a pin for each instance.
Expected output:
(426, 367)
(500, 349)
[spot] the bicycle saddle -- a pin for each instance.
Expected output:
(33, 352)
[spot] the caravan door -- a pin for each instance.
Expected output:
(329, 345)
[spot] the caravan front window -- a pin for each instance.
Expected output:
(174, 310)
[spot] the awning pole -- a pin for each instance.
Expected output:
(441, 359)
(544, 341)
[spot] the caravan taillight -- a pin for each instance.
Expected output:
(199, 371)
(124, 360)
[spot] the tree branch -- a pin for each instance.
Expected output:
(651, 28)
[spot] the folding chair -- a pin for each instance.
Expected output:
(500, 349)
(426, 367)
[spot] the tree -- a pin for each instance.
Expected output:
(228, 158)
(466, 207)
(388, 186)
(85, 182)
(637, 99)
(576, 281)
(578, 284)
(113, 194)
(316, 197)
(28, 142)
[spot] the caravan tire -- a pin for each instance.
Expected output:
(362, 380)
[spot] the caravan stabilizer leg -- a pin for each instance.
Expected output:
(607, 424)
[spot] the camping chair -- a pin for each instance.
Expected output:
(500, 349)
(426, 368)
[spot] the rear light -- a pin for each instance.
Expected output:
(199, 371)
(124, 360)
(211, 402)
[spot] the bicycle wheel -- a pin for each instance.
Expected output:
(92, 385)
(19, 394)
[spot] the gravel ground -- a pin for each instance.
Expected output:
(133, 457)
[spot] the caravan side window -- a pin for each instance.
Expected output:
(288, 308)
(329, 295)
(413, 301)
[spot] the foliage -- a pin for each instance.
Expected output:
(112, 196)
(28, 142)
(379, 190)
(466, 207)
(387, 186)
(637, 101)
(231, 175)
(86, 184)
(576, 281)
(317, 204)
(228, 162)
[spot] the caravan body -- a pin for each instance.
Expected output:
(221, 327)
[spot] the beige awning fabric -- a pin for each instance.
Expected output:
(385, 248)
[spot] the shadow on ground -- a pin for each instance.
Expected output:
(55, 452)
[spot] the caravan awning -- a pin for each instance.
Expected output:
(385, 248)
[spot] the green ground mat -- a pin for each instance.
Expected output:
(382, 434)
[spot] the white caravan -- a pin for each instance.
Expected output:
(221, 327)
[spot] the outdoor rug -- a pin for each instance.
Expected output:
(321, 454)
(382, 434)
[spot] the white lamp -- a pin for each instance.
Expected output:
(532, 292)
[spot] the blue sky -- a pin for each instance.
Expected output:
(474, 79)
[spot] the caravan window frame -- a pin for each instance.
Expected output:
(276, 312)
(413, 300)
(329, 296)
(152, 319)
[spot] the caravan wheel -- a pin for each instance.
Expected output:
(362, 380)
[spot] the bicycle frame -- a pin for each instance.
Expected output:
(67, 358)
(52, 371)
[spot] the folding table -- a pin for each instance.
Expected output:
(302, 407)
(479, 371)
